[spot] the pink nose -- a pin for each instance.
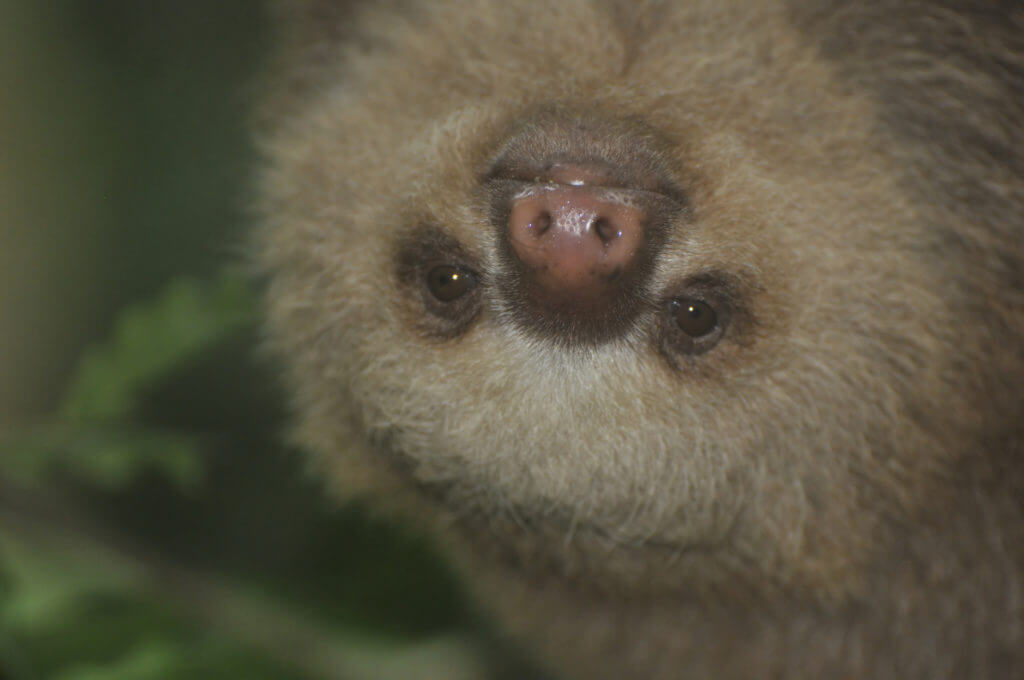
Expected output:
(575, 239)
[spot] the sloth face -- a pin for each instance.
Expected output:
(616, 285)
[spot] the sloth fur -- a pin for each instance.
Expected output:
(835, 488)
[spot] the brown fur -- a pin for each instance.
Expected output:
(835, 489)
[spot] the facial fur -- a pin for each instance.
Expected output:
(828, 482)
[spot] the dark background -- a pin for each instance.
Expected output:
(124, 161)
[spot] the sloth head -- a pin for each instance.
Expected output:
(621, 288)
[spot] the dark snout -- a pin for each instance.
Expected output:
(581, 209)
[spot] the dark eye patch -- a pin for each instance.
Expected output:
(439, 280)
(696, 314)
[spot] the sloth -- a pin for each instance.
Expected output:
(692, 329)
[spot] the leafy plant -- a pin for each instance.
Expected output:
(136, 539)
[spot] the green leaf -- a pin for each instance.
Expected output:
(155, 659)
(93, 617)
(150, 341)
(107, 456)
(94, 438)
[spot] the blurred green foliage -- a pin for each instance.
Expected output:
(153, 524)
(159, 503)
(149, 341)
(95, 437)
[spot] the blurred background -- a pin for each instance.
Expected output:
(153, 522)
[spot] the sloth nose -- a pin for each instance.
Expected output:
(576, 239)
(581, 207)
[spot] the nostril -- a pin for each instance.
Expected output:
(606, 230)
(540, 224)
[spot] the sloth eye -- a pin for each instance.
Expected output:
(696, 313)
(448, 283)
(443, 291)
(696, 318)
